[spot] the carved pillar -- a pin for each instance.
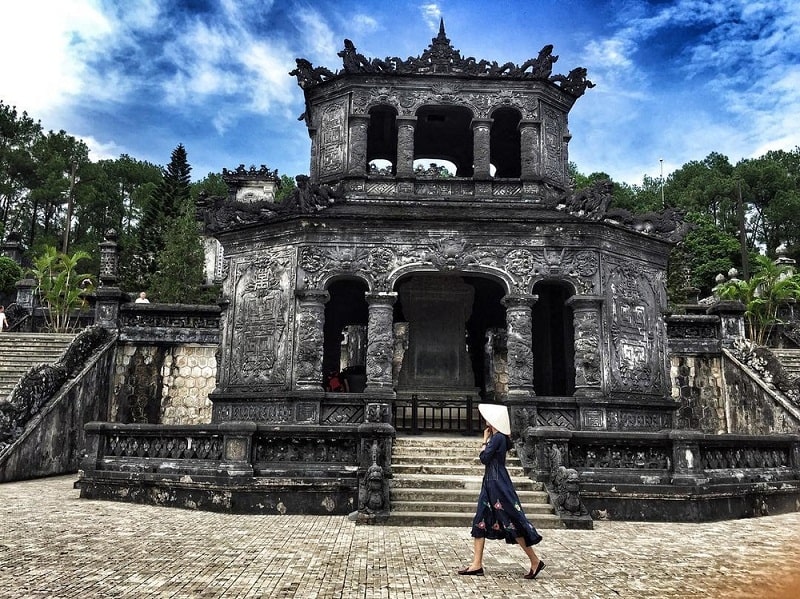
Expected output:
(686, 467)
(405, 145)
(588, 357)
(314, 167)
(12, 248)
(357, 147)
(380, 342)
(108, 296)
(481, 147)
(520, 345)
(530, 149)
(310, 338)
(565, 157)
(731, 320)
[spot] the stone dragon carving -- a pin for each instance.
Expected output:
(441, 58)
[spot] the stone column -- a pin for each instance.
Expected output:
(313, 173)
(530, 149)
(481, 147)
(588, 334)
(108, 296)
(686, 467)
(357, 147)
(520, 345)
(380, 342)
(405, 146)
(310, 339)
(12, 248)
(731, 320)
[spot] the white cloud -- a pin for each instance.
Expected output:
(431, 14)
(43, 47)
(319, 34)
(101, 150)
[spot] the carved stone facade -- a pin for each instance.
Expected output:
(572, 296)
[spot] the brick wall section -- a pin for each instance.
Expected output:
(163, 385)
(189, 375)
(697, 386)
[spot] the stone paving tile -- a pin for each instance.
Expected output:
(54, 545)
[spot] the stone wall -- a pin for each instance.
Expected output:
(754, 410)
(697, 384)
(163, 385)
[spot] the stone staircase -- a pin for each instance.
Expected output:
(436, 481)
(20, 351)
(790, 359)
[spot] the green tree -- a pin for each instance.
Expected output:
(705, 252)
(59, 158)
(179, 278)
(10, 273)
(18, 134)
(211, 185)
(163, 206)
(285, 189)
(763, 294)
(60, 287)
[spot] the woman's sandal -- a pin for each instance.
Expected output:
(468, 572)
(534, 573)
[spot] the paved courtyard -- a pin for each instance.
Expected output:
(53, 544)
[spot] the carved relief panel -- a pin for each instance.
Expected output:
(332, 137)
(635, 299)
(259, 322)
(554, 129)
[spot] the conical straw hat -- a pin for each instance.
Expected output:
(497, 416)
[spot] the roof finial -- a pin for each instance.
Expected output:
(441, 26)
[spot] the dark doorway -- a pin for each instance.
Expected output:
(553, 341)
(346, 310)
(487, 313)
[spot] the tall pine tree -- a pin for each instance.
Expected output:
(162, 208)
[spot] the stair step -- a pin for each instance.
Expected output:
(543, 521)
(448, 469)
(20, 351)
(431, 496)
(462, 507)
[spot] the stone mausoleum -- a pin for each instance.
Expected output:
(435, 257)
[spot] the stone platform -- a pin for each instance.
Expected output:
(55, 545)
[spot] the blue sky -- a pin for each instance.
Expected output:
(675, 79)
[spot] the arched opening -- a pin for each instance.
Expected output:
(443, 322)
(443, 360)
(382, 139)
(444, 133)
(345, 332)
(553, 340)
(505, 143)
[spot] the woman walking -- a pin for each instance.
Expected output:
(499, 514)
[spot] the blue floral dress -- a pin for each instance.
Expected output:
(499, 514)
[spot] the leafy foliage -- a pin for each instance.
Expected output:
(10, 273)
(763, 294)
(163, 206)
(61, 287)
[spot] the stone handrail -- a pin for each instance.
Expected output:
(676, 457)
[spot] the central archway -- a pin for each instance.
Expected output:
(442, 321)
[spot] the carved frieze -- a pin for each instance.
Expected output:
(554, 128)
(332, 139)
(259, 321)
(637, 343)
(619, 456)
(305, 450)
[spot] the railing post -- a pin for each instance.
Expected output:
(686, 459)
(469, 414)
(237, 447)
